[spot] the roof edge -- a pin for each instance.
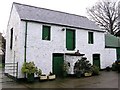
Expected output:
(61, 25)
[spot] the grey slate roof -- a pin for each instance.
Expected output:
(31, 13)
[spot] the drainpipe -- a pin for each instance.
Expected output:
(64, 42)
(25, 41)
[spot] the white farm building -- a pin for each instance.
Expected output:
(49, 37)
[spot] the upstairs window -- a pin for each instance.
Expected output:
(90, 38)
(46, 32)
(70, 39)
(11, 38)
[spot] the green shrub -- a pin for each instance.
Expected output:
(29, 68)
(82, 66)
(65, 69)
(95, 70)
(39, 72)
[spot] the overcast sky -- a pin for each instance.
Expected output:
(71, 6)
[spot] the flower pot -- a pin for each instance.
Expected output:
(43, 77)
(87, 74)
(51, 77)
(30, 77)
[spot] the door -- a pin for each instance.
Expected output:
(70, 39)
(96, 60)
(58, 60)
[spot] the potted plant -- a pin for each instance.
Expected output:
(88, 70)
(82, 67)
(29, 69)
(88, 73)
(43, 77)
(95, 70)
(78, 68)
(65, 69)
(39, 72)
(51, 76)
(78, 73)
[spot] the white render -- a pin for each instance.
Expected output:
(40, 51)
(14, 22)
(110, 56)
(72, 60)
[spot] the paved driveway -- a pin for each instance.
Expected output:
(104, 80)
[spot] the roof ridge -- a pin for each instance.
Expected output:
(50, 10)
(28, 12)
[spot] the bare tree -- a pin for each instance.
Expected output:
(105, 14)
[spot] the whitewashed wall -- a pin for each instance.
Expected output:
(72, 60)
(90, 49)
(12, 56)
(110, 56)
(40, 51)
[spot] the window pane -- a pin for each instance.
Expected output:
(11, 38)
(70, 39)
(90, 37)
(46, 33)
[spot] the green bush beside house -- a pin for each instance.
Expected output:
(84, 68)
(29, 69)
(65, 69)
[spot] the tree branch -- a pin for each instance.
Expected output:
(105, 14)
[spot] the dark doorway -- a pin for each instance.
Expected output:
(96, 60)
(58, 60)
(118, 53)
